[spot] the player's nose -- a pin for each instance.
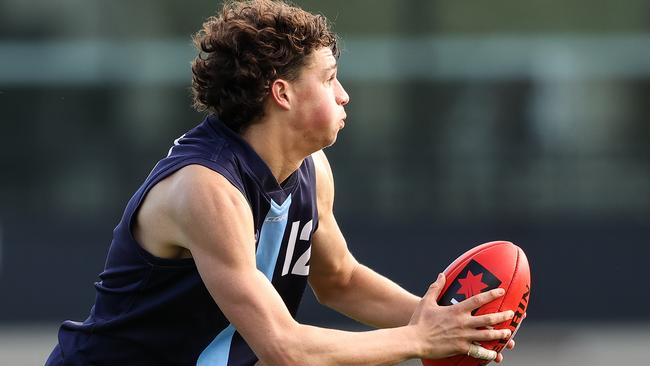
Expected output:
(342, 96)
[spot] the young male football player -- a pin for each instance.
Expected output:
(211, 257)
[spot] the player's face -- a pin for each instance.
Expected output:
(320, 100)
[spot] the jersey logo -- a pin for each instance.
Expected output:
(276, 218)
(176, 143)
(300, 268)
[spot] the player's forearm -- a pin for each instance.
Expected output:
(309, 345)
(373, 299)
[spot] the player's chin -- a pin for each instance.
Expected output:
(331, 139)
(330, 142)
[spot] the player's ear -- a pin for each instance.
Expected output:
(279, 93)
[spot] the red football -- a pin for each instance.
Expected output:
(483, 268)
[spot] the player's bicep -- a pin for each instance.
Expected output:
(332, 263)
(217, 227)
(329, 249)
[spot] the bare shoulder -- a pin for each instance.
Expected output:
(191, 200)
(322, 164)
(324, 180)
(195, 189)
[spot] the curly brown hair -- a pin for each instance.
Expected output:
(247, 46)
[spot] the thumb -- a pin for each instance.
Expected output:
(435, 289)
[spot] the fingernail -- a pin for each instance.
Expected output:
(500, 291)
(511, 314)
(439, 276)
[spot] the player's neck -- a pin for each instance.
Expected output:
(276, 147)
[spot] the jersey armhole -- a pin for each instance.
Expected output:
(151, 182)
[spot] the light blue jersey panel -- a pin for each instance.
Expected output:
(268, 249)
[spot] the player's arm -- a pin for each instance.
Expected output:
(213, 220)
(216, 223)
(342, 283)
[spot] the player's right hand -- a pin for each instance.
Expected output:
(446, 331)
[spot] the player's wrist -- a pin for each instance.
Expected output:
(414, 344)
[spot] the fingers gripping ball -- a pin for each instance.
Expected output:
(483, 268)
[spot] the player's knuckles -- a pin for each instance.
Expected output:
(466, 323)
(489, 319)
(491, 334)
(499, 317)
(484, 298)
(456, 313)
(477, 301)
(505, 333)
(432, 293)
(491, 295)
(434, 287)
(506, 315)
(498, 334)
(485, 335)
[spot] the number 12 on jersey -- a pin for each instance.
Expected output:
(300, 268)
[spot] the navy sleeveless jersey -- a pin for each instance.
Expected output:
(155, 311)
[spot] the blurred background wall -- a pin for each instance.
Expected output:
(468, 122)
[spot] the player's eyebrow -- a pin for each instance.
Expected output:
(331, 67)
